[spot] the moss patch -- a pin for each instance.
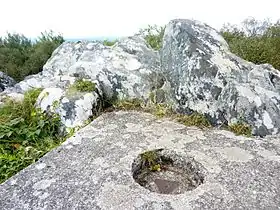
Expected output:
(81, 85)
(84, 86)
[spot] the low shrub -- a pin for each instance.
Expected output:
(26, 134)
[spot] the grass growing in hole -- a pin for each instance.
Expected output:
(26, 134)
(241, 128)
(151, 160)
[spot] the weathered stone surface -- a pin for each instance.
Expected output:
(205, 77)
(6, 81)
(92, 170)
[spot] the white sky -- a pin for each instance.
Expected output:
(90, 18)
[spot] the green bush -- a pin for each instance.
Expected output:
(257, 41)
(153, 35)
(109, 43)
(20, 57)
(26, 134)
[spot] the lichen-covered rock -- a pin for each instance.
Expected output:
(195, 71)
(205, 76)
(126, 70)
(74, 110)
(129, 69)
(6, 81)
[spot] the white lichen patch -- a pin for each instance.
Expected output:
(269, 155)
(101, 162)
(196, 133)
(231, 135)
(113, 196)
(111, 126)
(13, 182)
(48, 97)
(44, 196)
(69, 147)
(75, 140)
(209, 163)
(235, 154)
(249, 94)
(267, 120)
(43, 184)
(40, 166)
(131, 127)
(126, 136)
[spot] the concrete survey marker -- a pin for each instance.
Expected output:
(100, 168)
(165, 172)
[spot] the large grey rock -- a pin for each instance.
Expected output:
(129, 69)
(92, 170)
(205, 77)
(6, 81)
(126, 70)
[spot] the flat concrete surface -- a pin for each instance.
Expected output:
(92, 170)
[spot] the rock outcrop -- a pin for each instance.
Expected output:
(93, 169)
(194, 71)
(126, 70)
(206, 77)
(6, 81)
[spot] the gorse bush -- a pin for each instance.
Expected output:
(26, 134)
(153, 35)
(20, 57)
(109, 43)
(241, 128)
(255, 41)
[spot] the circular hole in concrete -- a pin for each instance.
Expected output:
(165, 172)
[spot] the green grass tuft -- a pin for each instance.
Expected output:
(195, 119)
(241, 128)
(129, 104)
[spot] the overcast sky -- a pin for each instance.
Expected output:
(92, 18)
